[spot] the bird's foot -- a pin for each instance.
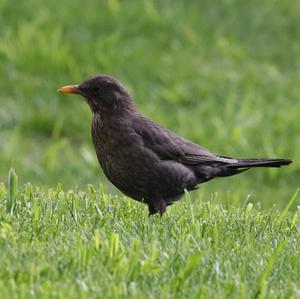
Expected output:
(157, 207)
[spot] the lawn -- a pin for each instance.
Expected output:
(224, 74)
(85, 244)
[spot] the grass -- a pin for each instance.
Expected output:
(87, 244)
(224, 74)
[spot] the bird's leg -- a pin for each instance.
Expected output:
(158, 206)
(151, 210)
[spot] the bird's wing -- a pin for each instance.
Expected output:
(168, 146)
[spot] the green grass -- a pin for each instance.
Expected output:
(224, 74)
(87, 244)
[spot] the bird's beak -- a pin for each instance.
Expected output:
(69, 89)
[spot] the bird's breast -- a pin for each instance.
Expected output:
(113, 142)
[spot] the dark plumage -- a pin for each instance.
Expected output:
(144, 160)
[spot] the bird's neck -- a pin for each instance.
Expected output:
(122, 107)
(115, 117)
(106, 122)
(104, 126)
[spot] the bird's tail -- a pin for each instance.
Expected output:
(241, 165)
(249, 163)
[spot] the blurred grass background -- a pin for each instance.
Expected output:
(224, 74)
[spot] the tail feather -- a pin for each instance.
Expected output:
(230, 167)
(248, 163)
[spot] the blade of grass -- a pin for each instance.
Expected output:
(12, 191)
(288, 206)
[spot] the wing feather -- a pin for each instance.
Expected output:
(168, 146)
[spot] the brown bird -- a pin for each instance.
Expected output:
(144, 160)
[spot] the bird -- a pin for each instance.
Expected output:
(144, 160)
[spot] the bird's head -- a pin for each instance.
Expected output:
(103, 93)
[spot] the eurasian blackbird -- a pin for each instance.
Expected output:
(141, 158)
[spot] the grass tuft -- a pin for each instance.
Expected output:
(73, 244)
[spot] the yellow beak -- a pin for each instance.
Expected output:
(69, 89)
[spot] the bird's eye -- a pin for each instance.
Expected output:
(95, 88)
